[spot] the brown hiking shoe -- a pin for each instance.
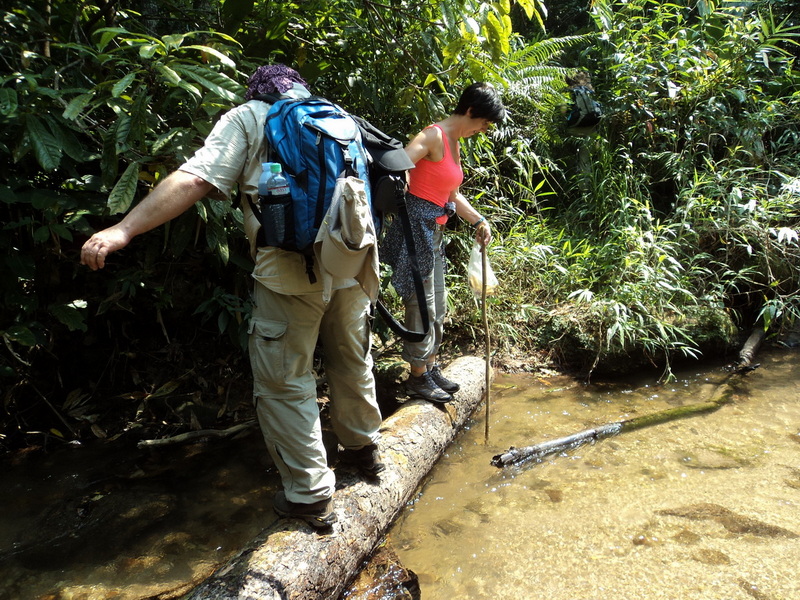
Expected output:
(319, 515)
(366, 459)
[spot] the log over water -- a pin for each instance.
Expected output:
(290, 561)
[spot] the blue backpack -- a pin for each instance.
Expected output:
(317, 142)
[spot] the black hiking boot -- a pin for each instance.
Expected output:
(451, 387)
(366, 459)
(319, 515)
(425, 387)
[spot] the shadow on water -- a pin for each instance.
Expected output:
(88, 523)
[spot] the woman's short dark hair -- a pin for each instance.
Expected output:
(484, 100)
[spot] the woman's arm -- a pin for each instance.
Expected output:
(426, 144)
(465, 210)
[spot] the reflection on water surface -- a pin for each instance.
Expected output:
(704, 508)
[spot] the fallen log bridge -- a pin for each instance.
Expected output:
(289, 561)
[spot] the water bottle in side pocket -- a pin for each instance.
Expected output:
(277, 220)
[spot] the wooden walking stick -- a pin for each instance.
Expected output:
(487, 339)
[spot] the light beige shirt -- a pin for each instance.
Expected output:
(232, 154)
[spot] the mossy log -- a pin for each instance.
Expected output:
(722, 396)
(537, 452)
(291, 561)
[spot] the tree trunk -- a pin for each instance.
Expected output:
(289, 561)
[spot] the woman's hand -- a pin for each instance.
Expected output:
(483, 233)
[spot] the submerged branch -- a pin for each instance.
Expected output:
(202, 434)
(722, 396)
(539, 451)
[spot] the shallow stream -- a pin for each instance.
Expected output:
(705, 508)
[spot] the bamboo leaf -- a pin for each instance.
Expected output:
(124, 191)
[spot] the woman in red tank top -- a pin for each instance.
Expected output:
(433, 196)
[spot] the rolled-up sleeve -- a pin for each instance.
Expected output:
(224, 155)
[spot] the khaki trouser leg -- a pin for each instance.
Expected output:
(282, 340)
(345, 335)
(417, 354)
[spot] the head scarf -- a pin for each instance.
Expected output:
(272, 79)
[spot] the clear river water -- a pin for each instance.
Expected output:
(702, 508)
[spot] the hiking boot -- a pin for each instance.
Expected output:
(319, 514)
(425, 387)
(451, 387)
(366, 459)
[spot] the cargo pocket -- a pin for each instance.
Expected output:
(267, 347)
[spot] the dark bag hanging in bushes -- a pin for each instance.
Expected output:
(585, 110)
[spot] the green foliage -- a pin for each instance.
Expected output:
(647, 238)
(680, 210)
(98, 104)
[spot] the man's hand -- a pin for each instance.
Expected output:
(170, 198)
(101, 244)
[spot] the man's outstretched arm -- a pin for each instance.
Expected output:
(170, 198)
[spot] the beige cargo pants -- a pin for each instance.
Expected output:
(283, 334)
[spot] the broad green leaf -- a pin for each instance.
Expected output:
(472, 26)
(173, 41)
(121, 130)
(220, 84)
(165, 139)
(8, 101)
(224, 59)
(47, 151)
(108, 34)
(167, 73)
(21, 335)
(529, 6)
(61, 231)
(123, 84)
(41, 234)
(76, 106)
(165, 390)
(72, 315)
(140, 112)
(121, 197)
(148, 51)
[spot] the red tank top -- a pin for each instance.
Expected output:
(435, 180)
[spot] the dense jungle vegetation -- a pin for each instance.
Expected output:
(660, 234)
